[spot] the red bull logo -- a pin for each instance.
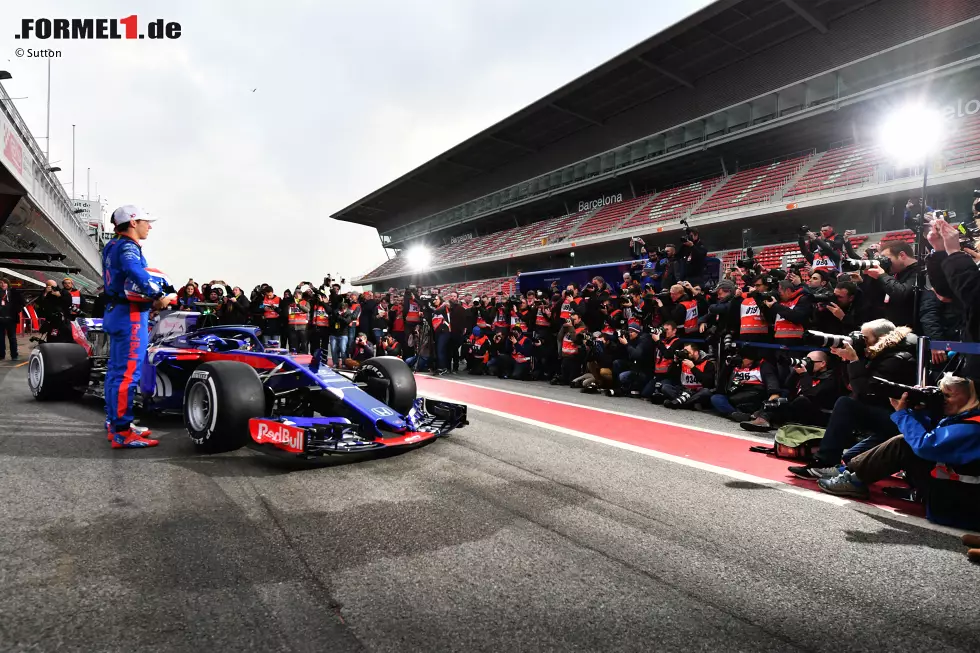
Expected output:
(283, 436)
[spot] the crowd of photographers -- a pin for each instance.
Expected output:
(830, 344)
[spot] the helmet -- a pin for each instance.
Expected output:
(158, 283)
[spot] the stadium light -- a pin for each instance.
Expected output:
(912, 133)
(419, 258)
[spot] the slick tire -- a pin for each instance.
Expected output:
(389, 380)
(57, 370)
(219, 400)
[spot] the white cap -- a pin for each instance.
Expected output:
(128, 213)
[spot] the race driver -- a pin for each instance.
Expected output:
(126, 323)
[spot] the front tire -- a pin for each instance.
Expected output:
(219, 400)
(389, 380)
(57, 370)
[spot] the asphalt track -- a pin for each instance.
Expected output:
(507, 536)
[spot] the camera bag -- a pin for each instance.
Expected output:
(794, 441)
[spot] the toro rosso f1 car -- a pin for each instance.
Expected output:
(234, 392)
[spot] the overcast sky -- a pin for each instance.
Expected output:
(349, 96)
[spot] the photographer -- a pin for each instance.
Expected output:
(666, 344)
(889, 353)
(234, 308)
(388, 346)
(477, 352)
(840, 315)
(790, 315)
(814, 389)
(298, 317)
(360, 351)
(682, 309)
(602, 355)
(673, 267)
(954, 274)
(411, 311)
(340, 321)
(750, 382)
(694, 253)
(746, 321)
(897, 284)
(460, 325)
(266, 313)
(514, 359)
(823, 252)
(697, 379)
(940, 457)
(571, 345)
(11, 305)
(639, 359)
(441, 334)
(319, 334)
(718, 305)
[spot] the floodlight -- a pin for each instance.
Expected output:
(912, 133)
(419, 257)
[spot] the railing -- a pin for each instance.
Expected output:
(47, 191)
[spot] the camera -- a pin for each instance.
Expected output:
(855, 339)
(687, 231)
(775, 404)
(855, 265)
(801, 362)
(929, 396)
(749, 261)
(824, 297)
(681, 355)
(804, 230)
(733, 359)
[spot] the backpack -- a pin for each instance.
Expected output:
(794, 441)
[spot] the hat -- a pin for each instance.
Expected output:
(476, 331)
(635, 326)
(127, 213)
(726, 285)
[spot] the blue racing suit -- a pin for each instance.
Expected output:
(126, 323)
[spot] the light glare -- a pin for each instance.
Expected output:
(912, 133)
(419, 257)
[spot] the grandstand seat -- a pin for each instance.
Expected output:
(839, 168)
(752, 186)
(671, 204)
(964, 145)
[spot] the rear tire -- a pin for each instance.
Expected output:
(57, 370)
(389, 380)
(219, 400)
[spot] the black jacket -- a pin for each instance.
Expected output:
(11, 305)
(822, 389)
(892, 358)
(640, 353)
(958, 275)
(899, 292)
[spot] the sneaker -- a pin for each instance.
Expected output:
(971, 540)
(758, 425)
(845, 484)
(128, 439)
(739, 417)
(810, 473)
(658, 398)
(141, 431)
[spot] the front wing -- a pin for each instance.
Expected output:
(310, 437)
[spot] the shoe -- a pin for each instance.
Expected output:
(635, 394)
(575, 384)
(673, 403)
(555, 381)
(128, 439)
(758, 425)
(810, 473)
(973, 555)
(609, 392)
(845, 484)
(658, 398)
(971, 540)
(589, 390)
(141, 431)
(739, 417)
(902, 493)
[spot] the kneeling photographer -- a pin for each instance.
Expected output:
(938, 449)
(639, 360)
(880, 350)
(477, 352)
(601, 356)
(666, 344)
(751, 381)
(813, 390)
(697, 379)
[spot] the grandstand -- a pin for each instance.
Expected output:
(755, 115)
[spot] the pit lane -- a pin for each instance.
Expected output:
(504, 536)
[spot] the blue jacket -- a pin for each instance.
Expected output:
(953, 440)
(122, 260)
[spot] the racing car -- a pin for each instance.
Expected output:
(234, 391)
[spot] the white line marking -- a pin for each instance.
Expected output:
(737, 436)
(696, 464)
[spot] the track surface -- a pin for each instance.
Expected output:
(503, 537)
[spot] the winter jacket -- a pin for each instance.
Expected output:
(892, 357)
